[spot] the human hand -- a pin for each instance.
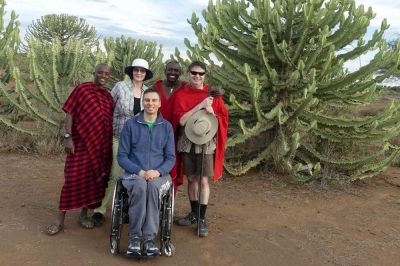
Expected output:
(69, 146)
(216, 92)
(207, 102)
(152, 174)
(142, 174)
(210, 110)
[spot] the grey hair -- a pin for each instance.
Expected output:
(100, 65)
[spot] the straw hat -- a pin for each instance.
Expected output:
(201, 127)
(139, 62)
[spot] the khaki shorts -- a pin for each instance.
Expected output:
(192, 164)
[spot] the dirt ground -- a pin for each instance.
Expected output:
(252, 221)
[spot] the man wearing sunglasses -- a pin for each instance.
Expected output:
(181, 105)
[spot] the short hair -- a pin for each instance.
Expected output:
(171, 61)
(197, 63)
(100, 65)
(151, 90)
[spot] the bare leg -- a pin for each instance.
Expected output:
(193, 187)
(84, 220)
(84, 212)
(205, 191)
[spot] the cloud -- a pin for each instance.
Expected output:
(388, 9)
(163, 21)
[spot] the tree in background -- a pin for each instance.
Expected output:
(9, 43)
(63, 27)
(45, 91)
(122, 51)
(55, 69)
(61, 51)
(9, 40)
(292, 103)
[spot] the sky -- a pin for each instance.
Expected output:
(164, 21)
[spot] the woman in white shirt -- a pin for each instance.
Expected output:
(127, 96)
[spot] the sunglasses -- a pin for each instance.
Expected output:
(141, 70)
(194, 73)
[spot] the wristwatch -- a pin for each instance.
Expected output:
(67, 136)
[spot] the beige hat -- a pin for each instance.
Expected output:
(139, 62)
(201, 127)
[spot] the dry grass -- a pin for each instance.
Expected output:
(13, 141)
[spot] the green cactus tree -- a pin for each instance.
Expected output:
(289, 92)
(9, 40)
(122, 51)
(62, 27)
(54, 71)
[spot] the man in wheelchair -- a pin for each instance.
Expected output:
(146, 152)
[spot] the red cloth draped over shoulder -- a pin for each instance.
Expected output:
(87, 171)
(159, 86)
(182, 101)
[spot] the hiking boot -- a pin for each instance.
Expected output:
(189, 219)
(134, 247)
(203, 231)
(150, 248)
(98, 219)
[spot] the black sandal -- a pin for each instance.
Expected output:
(98, 219)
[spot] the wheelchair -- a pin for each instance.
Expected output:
(119, 217)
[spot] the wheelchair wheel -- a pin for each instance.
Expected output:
(169, 249)
(116, 225)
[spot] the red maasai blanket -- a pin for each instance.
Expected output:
(182, 101)
(87, 171)
(159, 86)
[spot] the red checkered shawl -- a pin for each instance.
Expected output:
(182, 101)
(87, 170)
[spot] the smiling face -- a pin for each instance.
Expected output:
(138, 73)
(172, 72)
(101, 75)
(151, 102)
(197, 75)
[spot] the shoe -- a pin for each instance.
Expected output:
(98, 219)
(189, 219)
(134, 247)
(150, 248)
(203, 231)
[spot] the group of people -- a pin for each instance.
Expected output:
(140, 136)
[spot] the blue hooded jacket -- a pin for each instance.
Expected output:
(144, 148)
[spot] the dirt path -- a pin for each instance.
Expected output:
(252, 221)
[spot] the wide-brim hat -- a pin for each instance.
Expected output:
(201, 127)
(139, 62)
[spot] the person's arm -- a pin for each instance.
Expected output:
(124, 149)
(216, 92)
(205, 104)
(115, 92)
(169, 153)
(68, 143)
(119, 95)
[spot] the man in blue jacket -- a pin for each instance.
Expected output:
(147, 154)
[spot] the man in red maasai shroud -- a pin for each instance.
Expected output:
(88, 143)
(181, 105)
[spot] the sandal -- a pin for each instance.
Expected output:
(86, 222)
(54, 228)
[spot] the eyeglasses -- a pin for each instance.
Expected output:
(194, 73)
(141, 70)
